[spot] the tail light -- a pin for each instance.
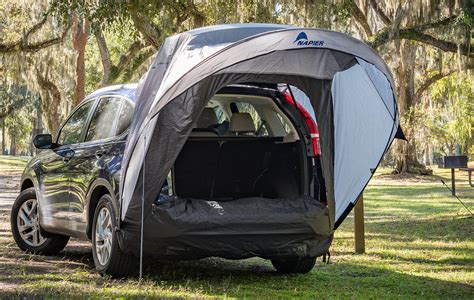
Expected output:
(310, 123)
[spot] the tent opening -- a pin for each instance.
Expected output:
(249, 141)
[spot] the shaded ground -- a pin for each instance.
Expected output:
(419, 244)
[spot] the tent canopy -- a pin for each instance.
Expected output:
(347, 83)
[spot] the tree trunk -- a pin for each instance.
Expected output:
(50, 104)
(405, 151)
(79, 42)
(3, 136)
(13, 145)
(38, 127)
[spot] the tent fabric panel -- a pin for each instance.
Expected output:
(315, 63)
(135, 164)
(382, 85)
(228, 33)
(303, 100)
(147, 89)
(362, 129)
(196, 46)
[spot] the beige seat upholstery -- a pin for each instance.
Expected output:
(241, 124)
(207, 118)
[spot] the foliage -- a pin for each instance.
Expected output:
(17, 108)
(20, 126)
(450, 113)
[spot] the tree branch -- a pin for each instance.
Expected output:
(51, 99)
(431, 80)
(360, 18)
(446, 46)
(134, 48)
(150, 32)
(110, 71)
(137, 62)
(23, 45)
(385, 19)
(104, 55)
(417, 34)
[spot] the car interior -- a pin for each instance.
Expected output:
(241, 146)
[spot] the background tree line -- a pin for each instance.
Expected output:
(52, 53)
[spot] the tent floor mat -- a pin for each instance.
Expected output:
(269, 228)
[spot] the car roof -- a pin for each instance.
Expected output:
(127, 90)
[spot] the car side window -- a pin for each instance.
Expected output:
(71, 131)
(125, 117)
(103, 120)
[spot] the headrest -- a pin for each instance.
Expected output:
(241, 123)
(207, 118)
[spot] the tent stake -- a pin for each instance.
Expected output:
(143, 211)
(359, 232)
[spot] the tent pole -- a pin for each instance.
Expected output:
(143, 211)
(359, 232)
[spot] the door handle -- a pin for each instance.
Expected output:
(68, 156)
(100, 153)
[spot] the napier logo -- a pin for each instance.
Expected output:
(302, 40)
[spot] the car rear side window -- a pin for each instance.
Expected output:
(125, 117)
(103, 121)
(72, 129)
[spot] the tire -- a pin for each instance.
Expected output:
(116, 264)
(299, 265)
(30, 238)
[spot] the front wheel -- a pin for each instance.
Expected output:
(25, 227)
(296, 265)
(108, 257)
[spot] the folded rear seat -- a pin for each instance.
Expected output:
(224, 168)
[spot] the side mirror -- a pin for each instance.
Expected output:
(43, 141)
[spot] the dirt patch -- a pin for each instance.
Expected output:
(406, 179)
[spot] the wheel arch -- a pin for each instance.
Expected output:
(99, 188)
(26, 183)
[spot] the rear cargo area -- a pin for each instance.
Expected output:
(227, 168)
(237, 198)
(240, 187)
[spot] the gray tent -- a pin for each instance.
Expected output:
(348, 84)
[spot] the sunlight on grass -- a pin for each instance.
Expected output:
(13, 163)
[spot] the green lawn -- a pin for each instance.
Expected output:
(12, 163)
(419, 240)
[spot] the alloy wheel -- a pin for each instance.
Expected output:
(103, 236)
(28, 223)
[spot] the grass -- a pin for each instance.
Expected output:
(419, 241)
(12, 163)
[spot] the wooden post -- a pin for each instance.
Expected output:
(453, 183)
(359, 233)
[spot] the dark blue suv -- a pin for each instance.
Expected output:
(61, 186)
